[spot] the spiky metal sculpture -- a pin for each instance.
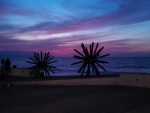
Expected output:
(41, 64)
(90, 59)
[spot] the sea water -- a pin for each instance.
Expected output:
(115, 65)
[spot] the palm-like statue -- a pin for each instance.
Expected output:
(90, 59)
(41, 64)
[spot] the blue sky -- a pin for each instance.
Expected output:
(59, 26)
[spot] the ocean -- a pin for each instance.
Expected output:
(115, 65)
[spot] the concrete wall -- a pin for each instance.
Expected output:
(80, 81)
(23, 72)
(83, 81)
(125, 79)
(135, 80)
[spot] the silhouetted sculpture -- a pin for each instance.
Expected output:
(90, 59)
(42, 64)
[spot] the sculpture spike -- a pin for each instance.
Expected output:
(92, 68)
(78, 57)
(101, 61)
(88, 70)
(103, 56)
(33, 70)
(101, 67)
(51, 70)
(77, 62)
(33, 59)
(83, 68)
(50, 58)
(80, 69)
(31, 62)
(45, 57)
(51, 66)
(84, 49)
(96, 48)
(79, 53)
(91, 48)
(38, 57)
(41, 57)
(97, 54)
(87, 52)
(96, 70)
(35, 56)
(52, 62)
(47, 72)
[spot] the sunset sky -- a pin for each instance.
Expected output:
(59, 26)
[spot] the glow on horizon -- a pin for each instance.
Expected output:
(59, 26)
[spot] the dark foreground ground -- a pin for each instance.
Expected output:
(74, 99)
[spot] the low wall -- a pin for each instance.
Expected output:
(125, 79)
(80, 81)
(23, 72)
(135, 80)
